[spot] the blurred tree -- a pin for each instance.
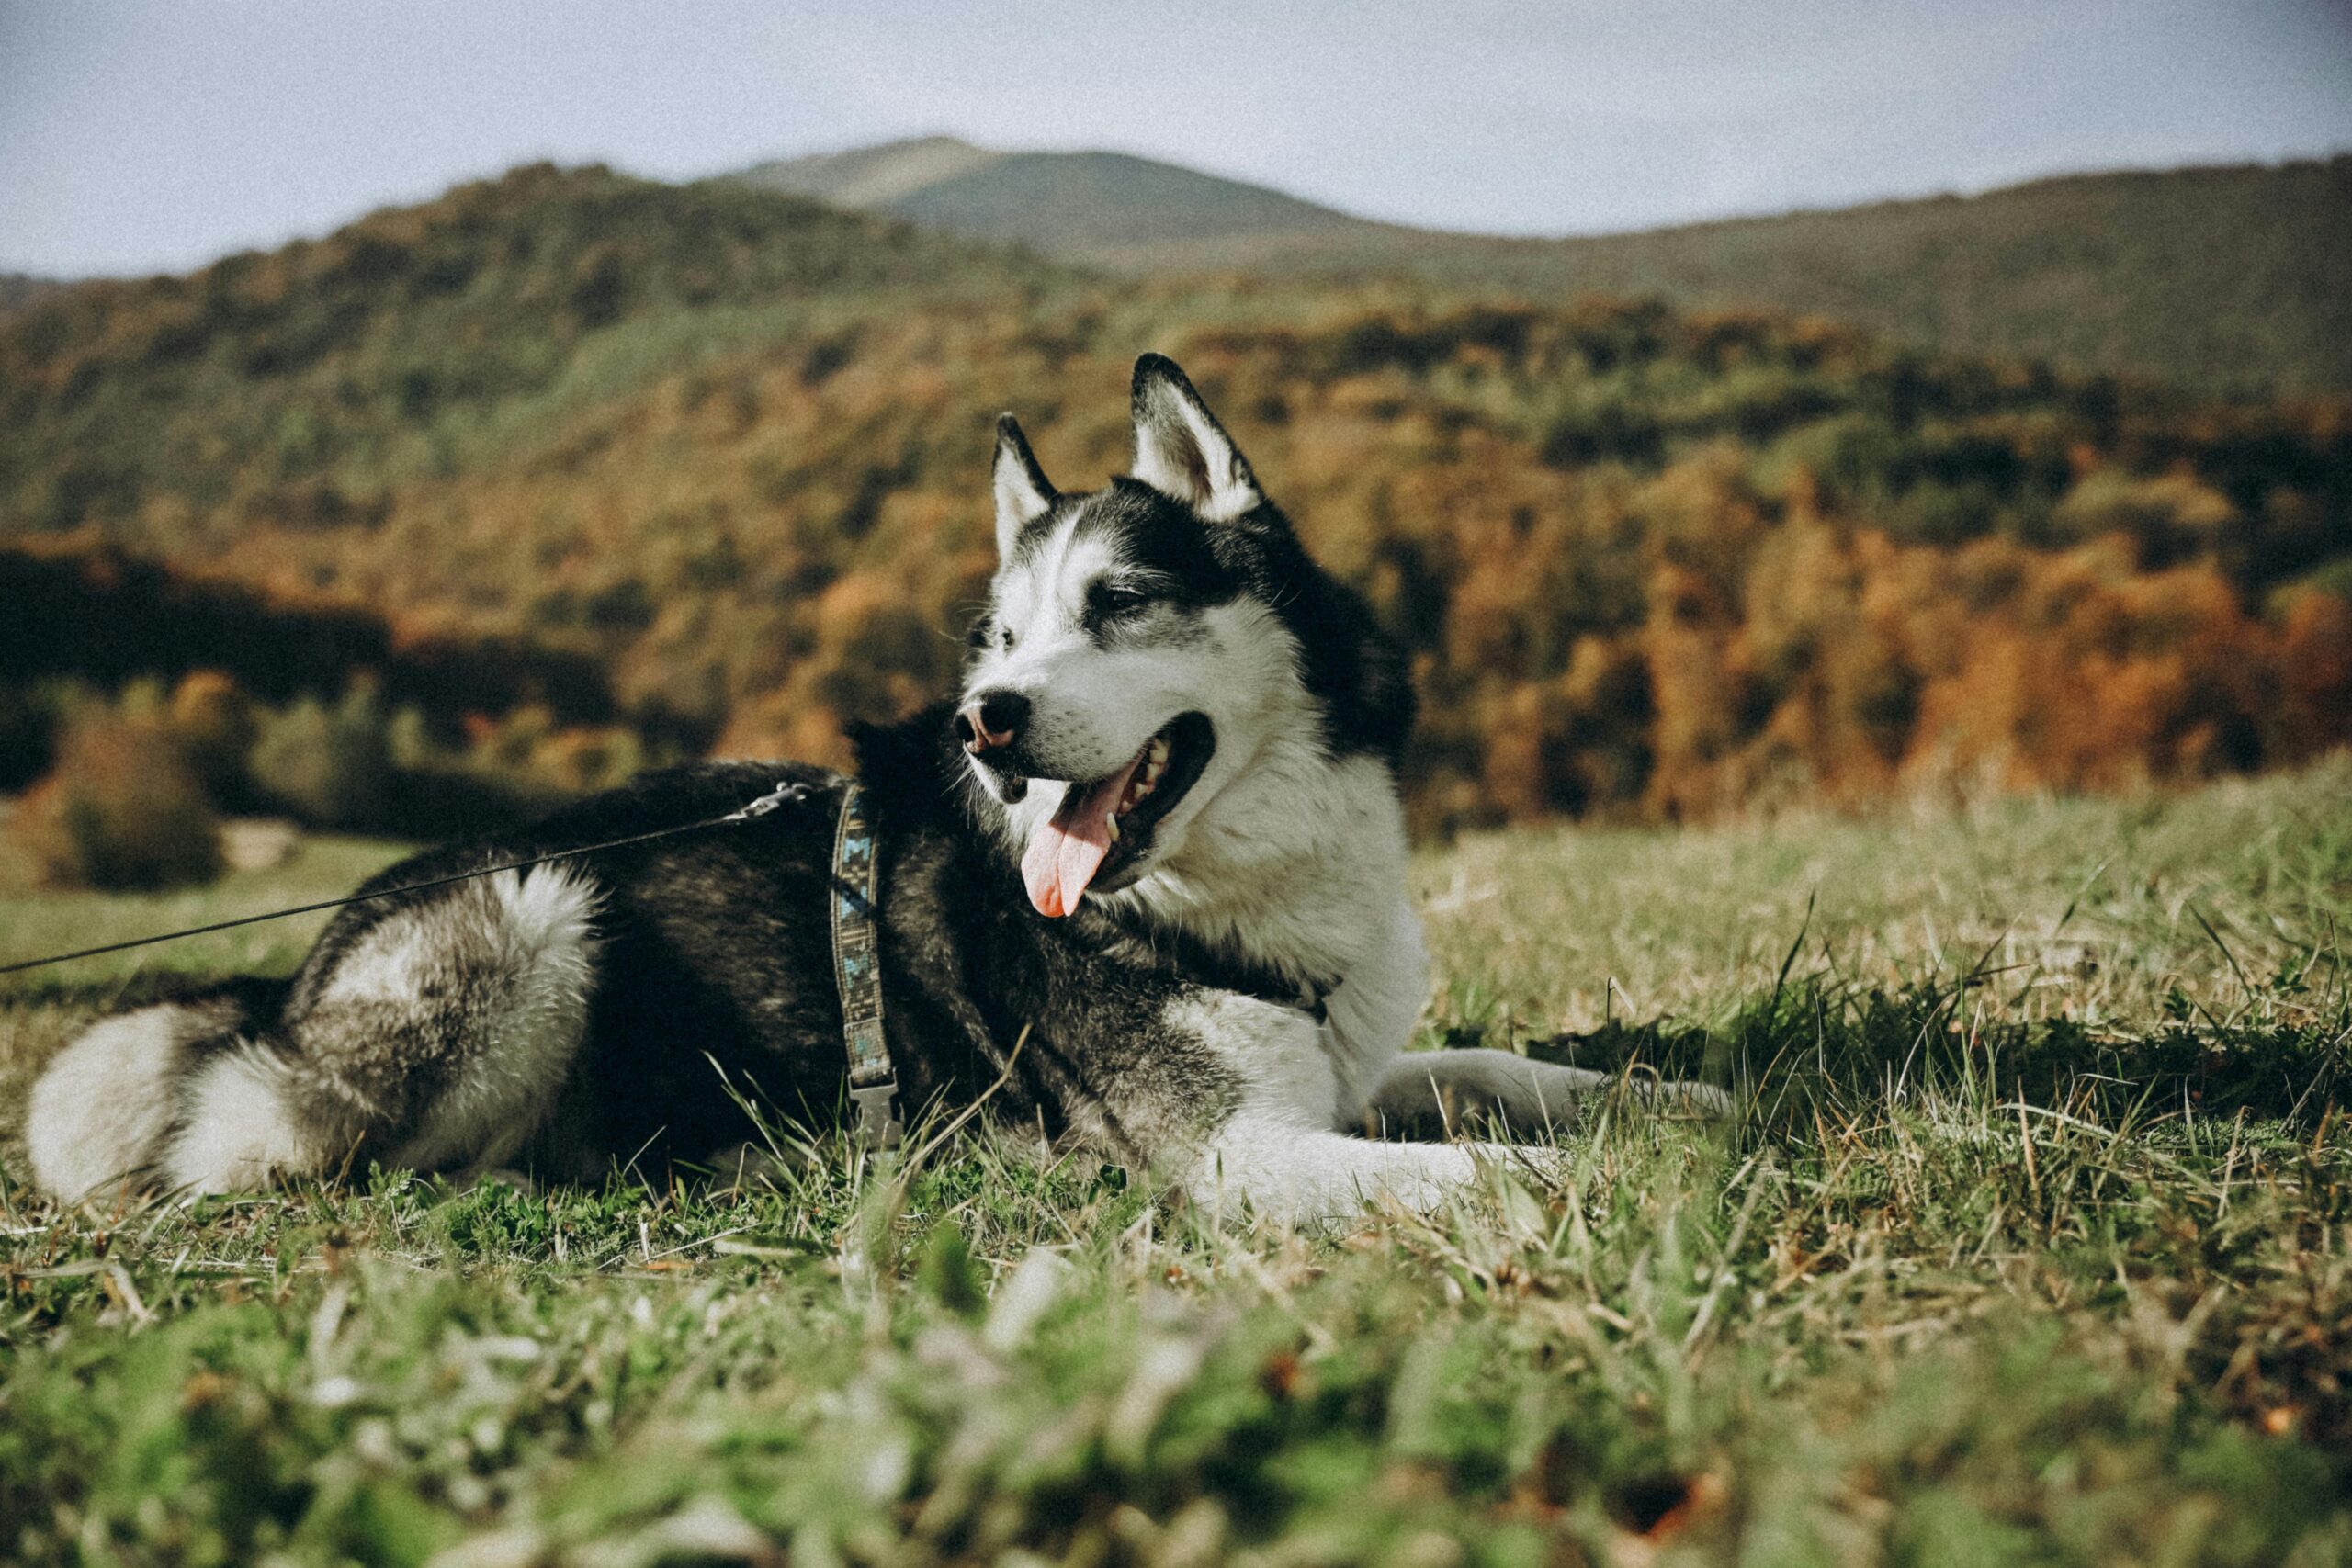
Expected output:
(122, 810)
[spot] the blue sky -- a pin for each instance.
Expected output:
(138, 137)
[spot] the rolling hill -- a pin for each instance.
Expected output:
(19, 289)
(1096, 209)
(2236, 280)
(299, 384)
(727, 446)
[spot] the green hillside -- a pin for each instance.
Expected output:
(297, 386)
(2235, 279)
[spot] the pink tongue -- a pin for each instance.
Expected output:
(1066, 852)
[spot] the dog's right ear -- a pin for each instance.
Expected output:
(1023, 492)
(1181, 451)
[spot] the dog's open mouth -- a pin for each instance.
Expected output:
(1105, 826)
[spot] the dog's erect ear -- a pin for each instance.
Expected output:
(1023, 492)
(1181, 451)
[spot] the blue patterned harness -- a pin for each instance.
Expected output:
(857, 965)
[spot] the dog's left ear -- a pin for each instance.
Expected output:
(1023, 492)
(1181, 451)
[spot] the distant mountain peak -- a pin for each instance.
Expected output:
(1062, 203)
(874, 176)
(2224, 276)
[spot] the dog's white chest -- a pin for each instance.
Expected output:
(1369, 1018)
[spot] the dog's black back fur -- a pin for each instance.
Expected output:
(1226, 991)
(687, 1017)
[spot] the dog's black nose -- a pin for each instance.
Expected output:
(991, 721)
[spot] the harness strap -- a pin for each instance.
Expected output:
(873, 1083)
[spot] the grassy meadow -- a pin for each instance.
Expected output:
(2033, 1244)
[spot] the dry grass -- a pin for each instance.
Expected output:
(2035, 1247)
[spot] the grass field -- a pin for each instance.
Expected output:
(2033, 1246)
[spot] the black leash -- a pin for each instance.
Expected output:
(760, 807)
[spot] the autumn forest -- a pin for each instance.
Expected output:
(565, 472)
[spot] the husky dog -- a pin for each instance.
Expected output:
(1144, 881)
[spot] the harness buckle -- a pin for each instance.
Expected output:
(770, 801)
(877, 1119)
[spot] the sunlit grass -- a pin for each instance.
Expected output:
(320, 868)
(2035, 1246)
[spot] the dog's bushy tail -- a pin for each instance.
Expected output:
(106, 1106)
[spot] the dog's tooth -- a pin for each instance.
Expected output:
(1115, 830)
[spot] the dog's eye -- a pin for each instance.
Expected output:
(983, 633)
(1109, 601)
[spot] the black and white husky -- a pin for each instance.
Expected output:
(1146, 879)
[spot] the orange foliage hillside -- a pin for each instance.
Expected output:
(1650, 564)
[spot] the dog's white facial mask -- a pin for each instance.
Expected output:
(1143, 670)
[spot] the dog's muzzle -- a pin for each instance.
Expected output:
(992, 722)
(989, 728)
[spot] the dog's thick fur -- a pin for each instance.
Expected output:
(1226, 997)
